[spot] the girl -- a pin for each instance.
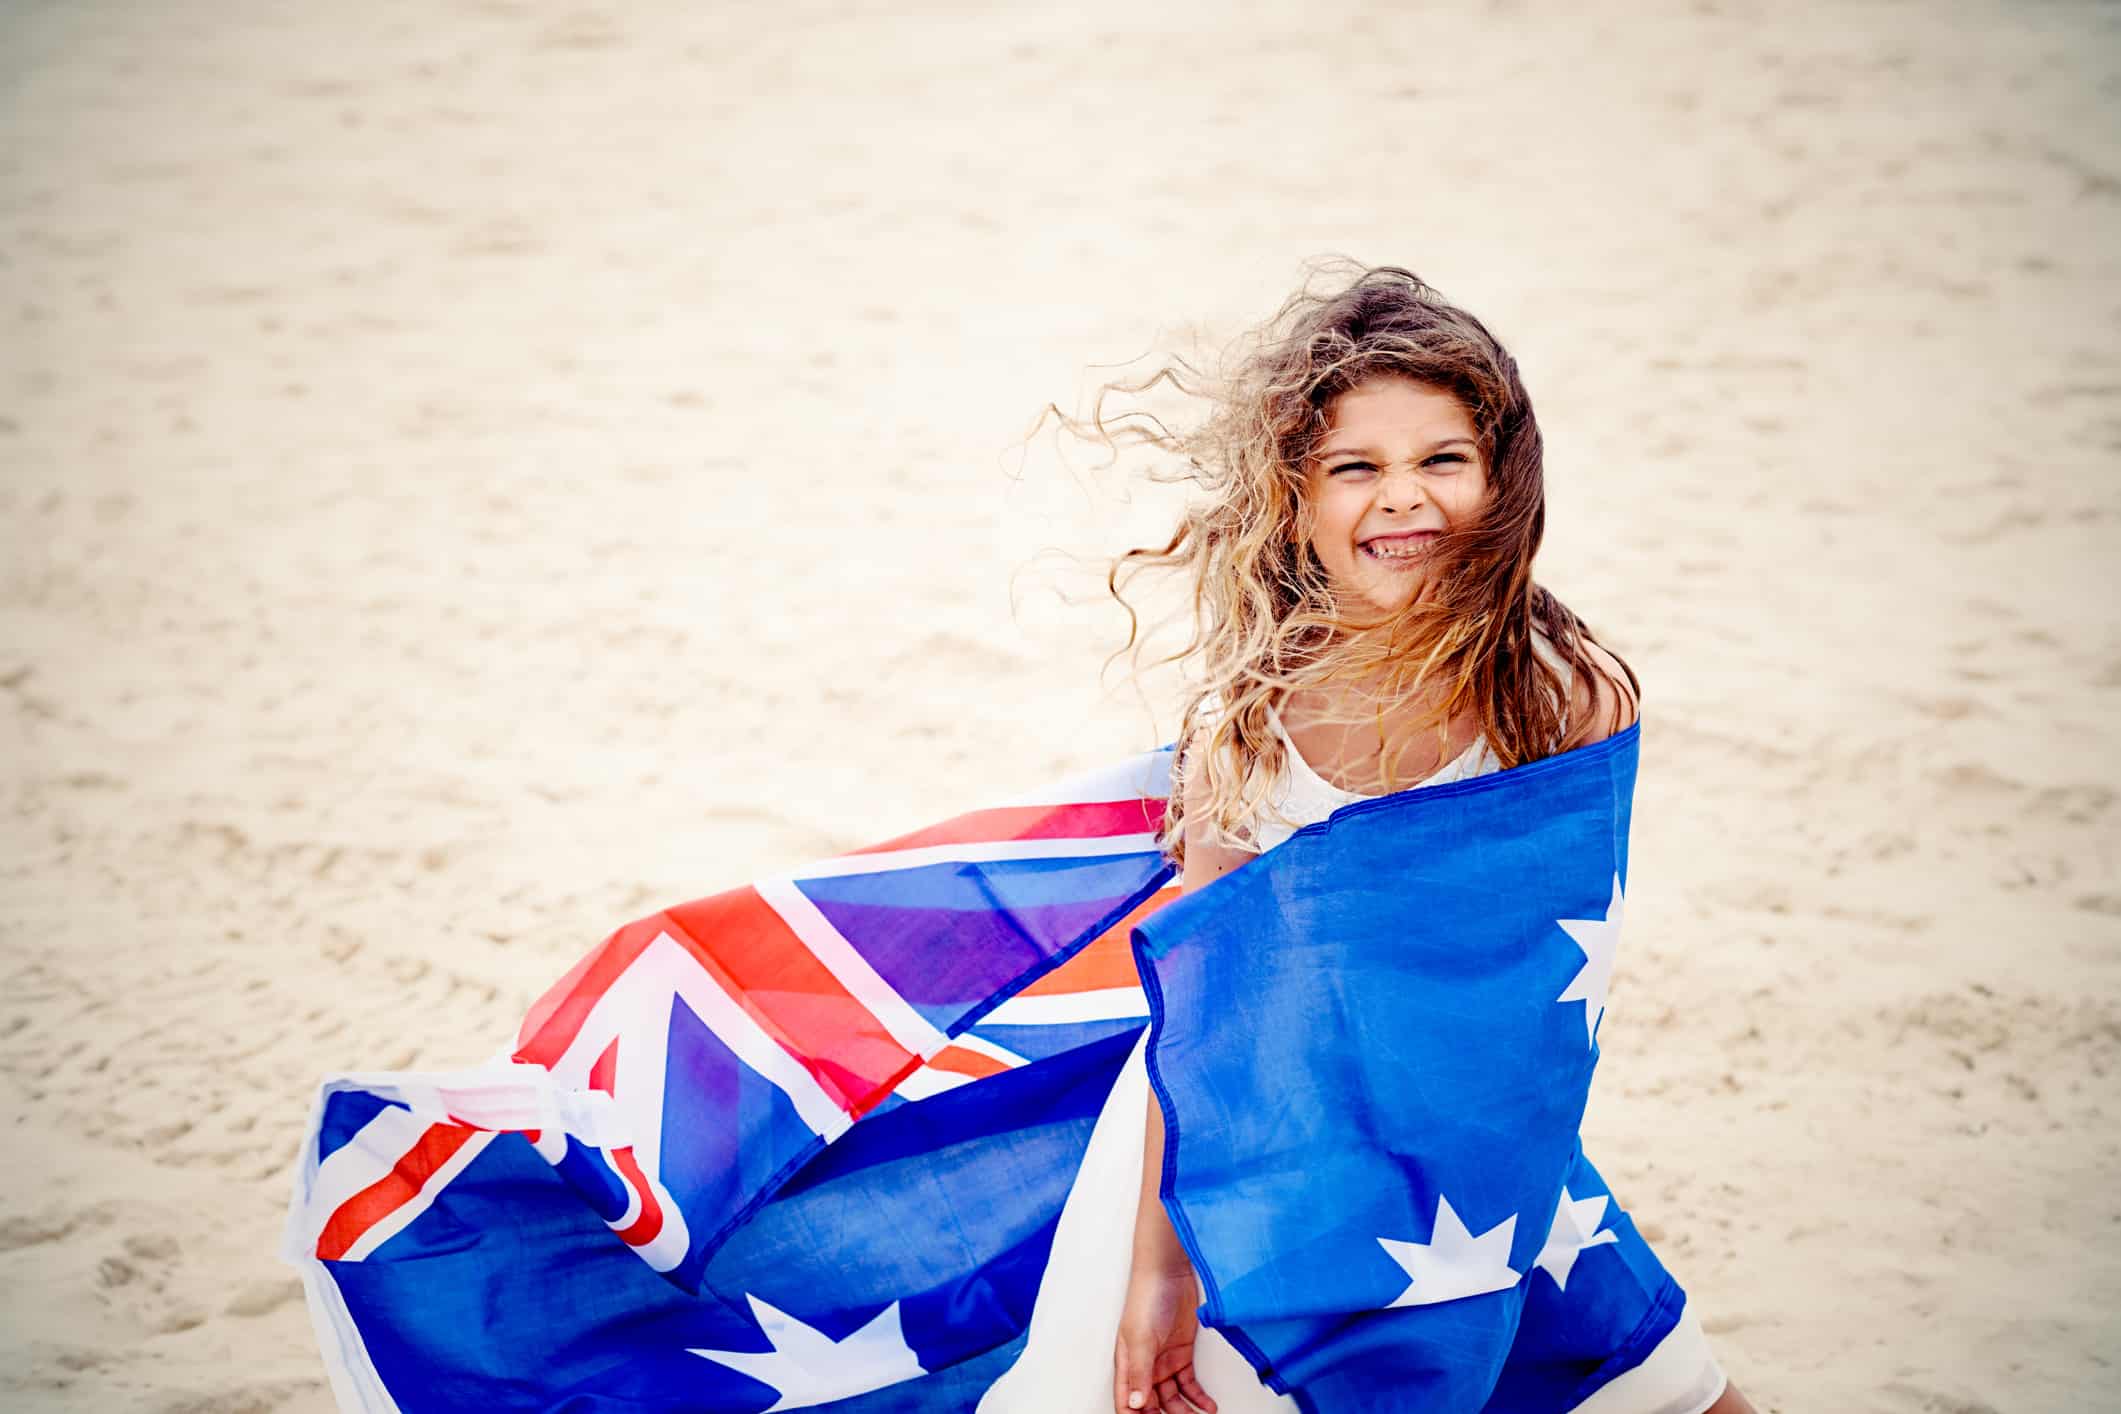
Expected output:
(1368, 623)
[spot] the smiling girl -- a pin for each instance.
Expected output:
(1366, 622)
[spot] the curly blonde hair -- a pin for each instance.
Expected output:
(1265, 623)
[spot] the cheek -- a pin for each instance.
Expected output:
(1339, 510)
(1465, 497)
(1316, 520)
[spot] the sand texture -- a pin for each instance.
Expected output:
(476, 471)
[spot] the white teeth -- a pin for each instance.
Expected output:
(1382, 553)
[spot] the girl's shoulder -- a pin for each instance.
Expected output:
(1601, 702)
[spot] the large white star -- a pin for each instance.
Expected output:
(1600, 940)
(1453, 1262)
(807, 1367)
(1575, 1227)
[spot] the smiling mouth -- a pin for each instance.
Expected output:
(1388, 549)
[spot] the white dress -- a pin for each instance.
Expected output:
(1066, 1367)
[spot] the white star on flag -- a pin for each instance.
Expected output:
(1600, 940)
(1453, 1262)
(1575, 1227)
(807, 1367)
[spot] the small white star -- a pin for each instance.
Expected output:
(1600, 940)
(807, 1367)
(1575, 1227)
(1453, 1262)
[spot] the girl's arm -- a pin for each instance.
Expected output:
(1156, 1245)
(1153, 1357)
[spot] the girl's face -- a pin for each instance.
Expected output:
(1399, 462)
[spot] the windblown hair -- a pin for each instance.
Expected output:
(1265, 620)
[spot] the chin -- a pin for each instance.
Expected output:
(1372, 604)
(1361, 596)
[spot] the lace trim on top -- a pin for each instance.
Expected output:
(1303, 797)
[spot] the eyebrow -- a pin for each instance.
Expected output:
(1372, 453)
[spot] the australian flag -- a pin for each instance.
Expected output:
(805, 1144)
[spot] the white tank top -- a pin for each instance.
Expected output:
(1300, 796)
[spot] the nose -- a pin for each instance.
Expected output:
(1398, 490)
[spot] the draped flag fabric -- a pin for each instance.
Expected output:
(1367, 1187)
(805, 1143)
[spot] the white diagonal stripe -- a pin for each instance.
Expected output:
(983, 1047)
(398, 1218)
(1107, 1004)
(929, 1081)
(373, 1152)
(825, 942)
(641, 995)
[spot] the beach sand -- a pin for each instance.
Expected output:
(475, 472)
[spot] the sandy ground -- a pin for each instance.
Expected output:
(476, 471)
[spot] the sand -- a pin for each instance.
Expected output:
(474, 472)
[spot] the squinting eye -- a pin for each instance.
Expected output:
(1366, 466)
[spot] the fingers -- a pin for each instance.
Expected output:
(1189, 1384)
(1133, 1393)
(1138, 1389)
(1130, 1381)
(1172, 1399)
(1179, 1392)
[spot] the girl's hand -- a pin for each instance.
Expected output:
(1152, 1361)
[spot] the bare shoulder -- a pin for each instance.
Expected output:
(1601, 702)
(1207, 859)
